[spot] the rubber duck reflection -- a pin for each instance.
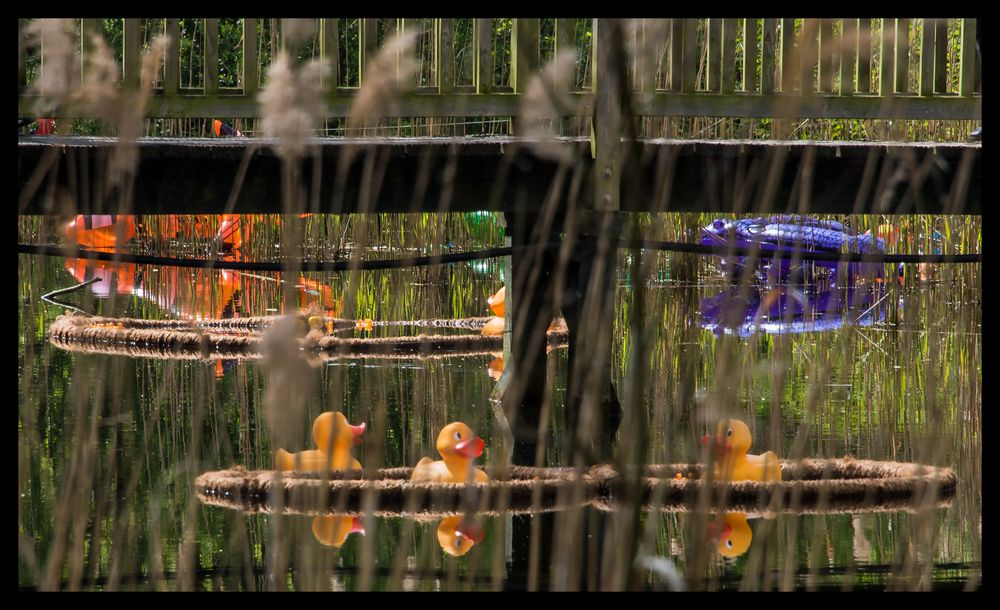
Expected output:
(731, 534)
(746, 310)
(496, 302)
(334, 437)
(459, 447)
(495, 367)
(457, 535)
(495, 325)
(333, 530)
(731, 462)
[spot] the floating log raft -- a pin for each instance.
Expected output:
(807, 486)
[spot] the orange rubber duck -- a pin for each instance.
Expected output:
(731, 534)
(732, 462)
(496, 302)
(459, 446)
(332, 530)
(495, 325)
(457, 535)
(334, 437)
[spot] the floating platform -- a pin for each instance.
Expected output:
(807, 487)
(227, 339)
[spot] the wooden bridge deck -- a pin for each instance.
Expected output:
(186, 176)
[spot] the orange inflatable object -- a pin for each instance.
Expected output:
(101, 231)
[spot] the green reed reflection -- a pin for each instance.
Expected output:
(109, 446)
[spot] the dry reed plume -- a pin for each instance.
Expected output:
(546, 99)
(386, 76)
(292, 104)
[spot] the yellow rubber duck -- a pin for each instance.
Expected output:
(732, 462)
(731, 534)
(334, 437)
(331, 530)
(459, 446)
(457, 536)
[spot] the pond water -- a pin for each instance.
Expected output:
(109, 446)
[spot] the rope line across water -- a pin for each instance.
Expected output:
(456, 257)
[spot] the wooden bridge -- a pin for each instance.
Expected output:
(845, 69)
(783, 70)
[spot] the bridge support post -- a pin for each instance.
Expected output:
(530, 301)
(593, 411)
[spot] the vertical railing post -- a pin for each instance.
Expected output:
(172, 62)
(750, 55)
(941, 56)
(676, 54)
(864, 55)
(714, 43)
(211, 56)
(369, 46)
(524, 52)
(728, 55)
(251, 79)
(130, 51)
(968, 63)
(808, 56)
(484, 56)
(21, 44)
(650, 47)
(446, 56)
(524, 55)
(414, 27)
(767, 56)
(330, 52)
(788, 58)
(927, 59)
(826, 49)
(887, 58)
(848, 55)
(902, 56)
(690, 56)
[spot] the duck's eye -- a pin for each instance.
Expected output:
(458, 436)
(729, 544)
(729, 432)
(458, 543)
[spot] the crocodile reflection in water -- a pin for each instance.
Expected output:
(746, 310)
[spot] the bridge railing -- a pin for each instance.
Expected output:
(781, 68)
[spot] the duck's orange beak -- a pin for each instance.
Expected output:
(719, 529)
(470, 530)
(357, 431)
(471, 448)
(356, 527)
(714, 443)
